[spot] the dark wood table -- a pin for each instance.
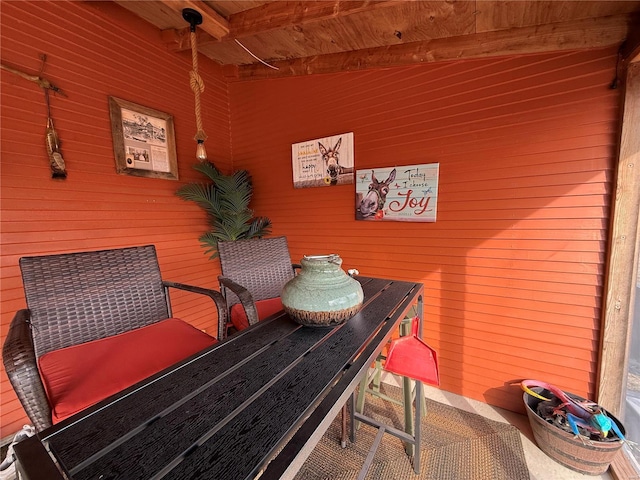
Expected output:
(253, 405)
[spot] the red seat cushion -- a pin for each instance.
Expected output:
(265, 309)
(79, 376)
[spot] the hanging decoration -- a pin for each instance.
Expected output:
(58, 169)
(52, 141)
(194, 18)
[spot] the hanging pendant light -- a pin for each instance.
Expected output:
(201, 152)
(194, 18)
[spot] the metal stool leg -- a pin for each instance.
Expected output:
(343, 436)
(409, 425)
(358, 404)
(352, 417)
(371, 384)
(377, 375)
(418, 431)
(372, 452)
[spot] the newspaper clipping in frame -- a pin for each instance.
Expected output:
(145, 141)
(401, 194)
(323, 162)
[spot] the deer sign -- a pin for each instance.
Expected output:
(374, 200)
(331, 158)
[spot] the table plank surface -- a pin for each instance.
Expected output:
(226, 412)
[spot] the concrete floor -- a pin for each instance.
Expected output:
(541, 466)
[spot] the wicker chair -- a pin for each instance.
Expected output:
(253, 271)
(80, 297)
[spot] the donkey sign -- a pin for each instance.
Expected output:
(323, 162)
(405, 194)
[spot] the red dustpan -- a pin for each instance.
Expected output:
(410, 357)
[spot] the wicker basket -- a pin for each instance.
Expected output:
(590, 458)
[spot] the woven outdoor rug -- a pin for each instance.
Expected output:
(456, 445)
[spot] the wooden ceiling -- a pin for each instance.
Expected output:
(301, 38)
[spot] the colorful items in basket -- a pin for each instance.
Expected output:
(580, 417)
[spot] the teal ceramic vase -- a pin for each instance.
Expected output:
(322, 294)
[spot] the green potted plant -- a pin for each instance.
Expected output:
(226, 201)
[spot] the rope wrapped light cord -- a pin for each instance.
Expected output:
(197, 85)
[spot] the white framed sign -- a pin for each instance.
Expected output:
(323, 162)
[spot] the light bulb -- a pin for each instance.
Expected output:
(201, 152)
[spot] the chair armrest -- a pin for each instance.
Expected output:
(216, 296)
(245, 298)
(21, 365)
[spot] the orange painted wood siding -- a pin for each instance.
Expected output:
(514, 265)
(97, 49)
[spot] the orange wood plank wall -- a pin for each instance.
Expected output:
(94, 50)
(514, 265)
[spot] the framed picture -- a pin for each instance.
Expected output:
(144, 142)
(402, 194)
(323, 162)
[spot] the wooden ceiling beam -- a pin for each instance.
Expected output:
(268, 17)
(580, 34)
(212, 23)
(630, 50)
(281, 14)
(265, 18)
(179, 40)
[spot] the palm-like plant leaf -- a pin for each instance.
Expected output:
(208, 169)
(259, 227)
(226, 203)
